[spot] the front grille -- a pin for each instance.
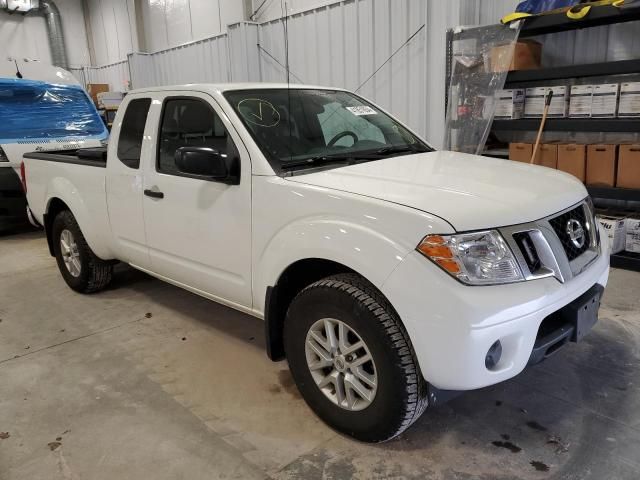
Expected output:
(559, 225)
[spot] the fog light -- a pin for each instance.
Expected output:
(493, 355)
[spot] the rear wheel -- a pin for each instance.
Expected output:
(352, 359)
(82, 270)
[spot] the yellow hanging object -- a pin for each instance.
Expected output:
(577, 12)
(512, 17)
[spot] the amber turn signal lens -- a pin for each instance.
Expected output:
(438, 251)
(435, 247)
(450, 266)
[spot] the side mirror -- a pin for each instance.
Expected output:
(208, 164)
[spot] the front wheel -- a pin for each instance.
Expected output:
(352, 359)
(82, 270)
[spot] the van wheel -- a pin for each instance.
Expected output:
(352, 359)
(79, 266)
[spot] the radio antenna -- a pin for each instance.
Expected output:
(285, 25)
(18, 74)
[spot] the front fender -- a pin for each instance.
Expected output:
(358, 247)
(295, 221)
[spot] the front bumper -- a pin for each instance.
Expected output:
(452, 326)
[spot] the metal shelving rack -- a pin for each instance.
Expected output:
(620, 199)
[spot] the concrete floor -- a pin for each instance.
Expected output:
(146, 381)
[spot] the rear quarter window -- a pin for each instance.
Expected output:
(132, 131)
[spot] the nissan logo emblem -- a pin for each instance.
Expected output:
(576, 233)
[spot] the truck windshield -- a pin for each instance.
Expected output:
(301, 128)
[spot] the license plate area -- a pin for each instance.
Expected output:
(570, 323)
(582, 313)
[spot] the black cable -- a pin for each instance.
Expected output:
(389, 59)
(380, 67)
(257, 9)
(260, 47)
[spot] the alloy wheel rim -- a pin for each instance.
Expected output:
(341, 364)
(70, 253)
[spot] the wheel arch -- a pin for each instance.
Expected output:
(291, 281)
(92, 221)
(55, 206)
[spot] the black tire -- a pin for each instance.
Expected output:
(401, 395)
(95, 274)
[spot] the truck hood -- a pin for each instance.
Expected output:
(468, 191)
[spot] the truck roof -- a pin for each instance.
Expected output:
(223, 87)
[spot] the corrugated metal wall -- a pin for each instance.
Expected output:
(343, 43)
(340, 44)
(202, 61)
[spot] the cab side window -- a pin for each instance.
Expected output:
(132, 131)
(190, 122)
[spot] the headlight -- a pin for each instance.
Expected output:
(478, 258)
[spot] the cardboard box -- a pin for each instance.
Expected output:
(615, 228)
(629, 166)
(629, 105)
(604, 102)
(93, 89)
(510, 104)
(632, 234)
(580, 101)
(520, 152)
(534, 101)
(601, 165)
(547, 155)
(526, 56)
(572, 158)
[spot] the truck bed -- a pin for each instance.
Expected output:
(90, 157)
(76, 177)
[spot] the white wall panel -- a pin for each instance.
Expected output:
(142, 70)
(26, 37)
(206, 19)
(197, 62)
(113, 29)
(170, 23)
(242, 41)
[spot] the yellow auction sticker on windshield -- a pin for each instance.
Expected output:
(362, 110)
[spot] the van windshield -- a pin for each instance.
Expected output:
(301, 128)
(32, 110)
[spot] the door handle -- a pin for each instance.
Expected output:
(153, 194)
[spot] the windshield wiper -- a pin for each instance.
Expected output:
(355, 156)
(340, 157)
(391, 149)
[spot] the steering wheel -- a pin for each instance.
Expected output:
(341, 135)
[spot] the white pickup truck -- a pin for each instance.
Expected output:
(388, 274)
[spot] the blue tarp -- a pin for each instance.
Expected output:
(539, 6)
(34, 110)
